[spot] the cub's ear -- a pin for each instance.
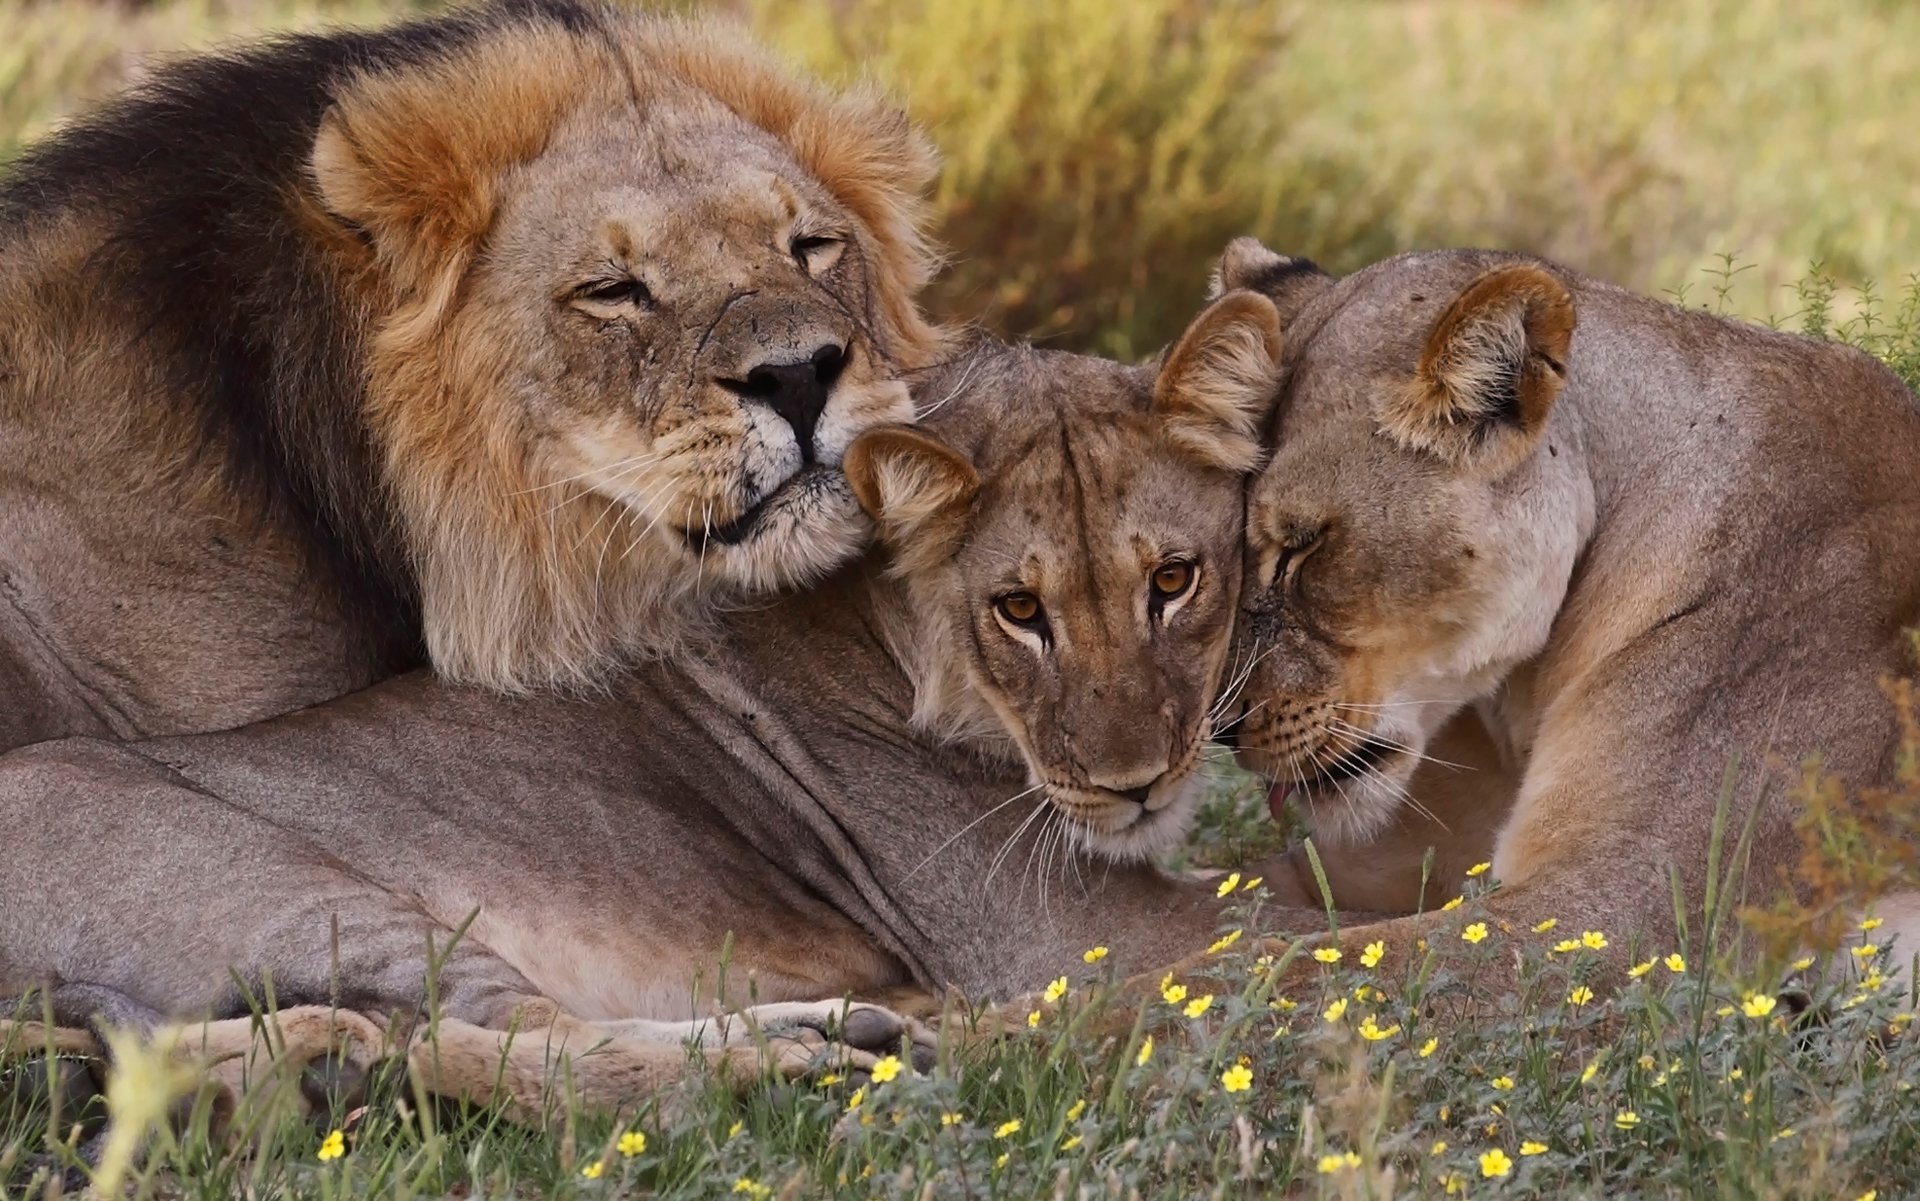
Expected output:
(1490, 371)
(1287, 281)
(1217, 385)
(917, 489)
(414, 160)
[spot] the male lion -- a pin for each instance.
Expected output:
(1665, 559)
(513, 337)
(795, 782)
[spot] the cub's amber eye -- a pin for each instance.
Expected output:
(1020, 608)
(1172, 579)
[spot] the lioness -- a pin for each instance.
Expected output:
(797, 783)
(511, 338)
(1664, 558)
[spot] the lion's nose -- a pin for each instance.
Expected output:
(796, 391)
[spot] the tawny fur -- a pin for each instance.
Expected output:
(770, 796)
(1638, 568)
(423, 441)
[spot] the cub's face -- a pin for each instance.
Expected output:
(1410, 538)
(1070, 532)
(693, 339)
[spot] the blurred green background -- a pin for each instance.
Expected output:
(1100, 152)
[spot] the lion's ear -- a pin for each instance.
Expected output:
(414, 159)
(1288, 281)
(917, 488)
(1217, 385)
(1491, 369)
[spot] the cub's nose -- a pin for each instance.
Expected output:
(796, 391)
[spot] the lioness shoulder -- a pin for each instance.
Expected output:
(512, 339)
(1663, 557)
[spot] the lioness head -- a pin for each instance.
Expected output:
(1069, 532)
(1411, 537)
(635, 290)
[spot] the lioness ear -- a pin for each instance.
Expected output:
(917, 489)
(1217, 384)
(1287, 281)
(414, 160)
(1490, 371)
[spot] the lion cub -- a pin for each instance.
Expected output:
(1664, 556)
(1071, 552)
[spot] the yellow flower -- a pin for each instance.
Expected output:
(1223, 942)
(1580, 995)
(1802, 964)
(1757, 1005)
(1725, 1011)
(1529, 1147)
(1866, 950)
(1785, 1132)
(1228, 885)
(334, 1146)
(1198, 1005)
(1095, 955)
(1429, 1047)
(1076, 1109)
(1565, 945)
(1236, 1079)
(1335, 1011)
(633, 1143)
(886, 1069)
(1626, 1119)
(1371, 956)
(1477, 932)
(1675, 963)
(950, 1118)
(1327, 954)
(1056, 990)
(734, 1130)
(1455, 903)
(830, 1079)
(1503, 1083)
(1870, 925)
(1640, 969)
(1495, 1164)
(1329, 1164)
(1593, 940)
(1001, 1160)
(859, 1096)
(1646, 1063)
(1283, 1004)
(1872, 1194)
(1033, 1020)
(1439, 1147)
(752, 1187)
(1479, 869)
(1543, 927)
(1454, 1184)
(1146, 1052)
(1007, 1129)
(592, 1171)
(1586, 1073)
(1071, 1143)
(1173, 993)
(1373, 1032)
(1872, 980)
(1735, 1074)
(1252, 884)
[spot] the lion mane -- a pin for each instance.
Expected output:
(281, 241)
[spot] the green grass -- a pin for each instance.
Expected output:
(1099, 155)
